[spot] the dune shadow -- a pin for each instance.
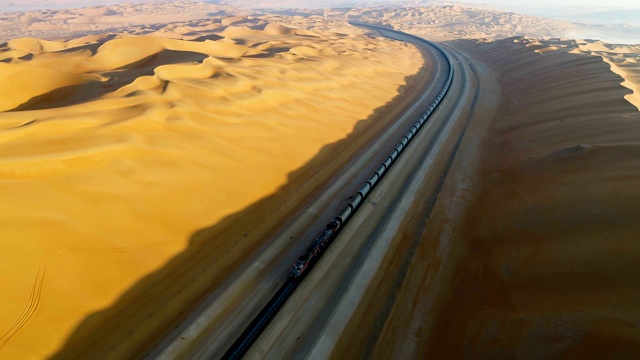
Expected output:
(125, 75)
(92, 47)
(131, 327)
(270, 52)
(212, 37)
(165, 57)
(153, 27)
(303, 14)
(218, 13)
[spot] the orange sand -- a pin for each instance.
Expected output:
(113, 151)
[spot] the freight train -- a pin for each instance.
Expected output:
(323, 240)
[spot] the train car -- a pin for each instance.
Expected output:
(315, 247)
(324, 237)
(335, 224)
(346, 213)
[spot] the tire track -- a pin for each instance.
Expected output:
(36, 290)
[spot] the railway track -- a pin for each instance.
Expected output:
(246, 339)
(209, 331)
(343, 307)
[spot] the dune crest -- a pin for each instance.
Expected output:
(622, 59)
(549, 242)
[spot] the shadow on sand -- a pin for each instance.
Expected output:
(158, 303)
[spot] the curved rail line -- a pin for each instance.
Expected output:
(241, 346)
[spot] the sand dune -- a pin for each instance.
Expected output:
(550, 270)
(424, 18)
(455, 22)
(624, 61)
(176, 19)
(126, 128)
(115, 149)
(76, 22)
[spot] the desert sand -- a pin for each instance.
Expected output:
(116, 148)
(426, 18)
(131, 143)
(61, 21)
(544, 264)
(447, 20)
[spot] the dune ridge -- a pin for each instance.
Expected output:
(127, 145)
(549, 241)
(623, 59)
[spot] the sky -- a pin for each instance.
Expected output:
(579, 11)
(563, 3)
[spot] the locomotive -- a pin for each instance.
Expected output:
(319, 244)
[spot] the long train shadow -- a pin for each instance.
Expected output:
(131, 327)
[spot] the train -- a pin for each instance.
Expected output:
(302, 266)
(320, 243)
(324, 239)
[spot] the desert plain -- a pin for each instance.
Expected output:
(149, 152)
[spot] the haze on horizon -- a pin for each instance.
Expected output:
(612, 20)
(589, 11)
(586, 11)
(331, 3)
(566, 3)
